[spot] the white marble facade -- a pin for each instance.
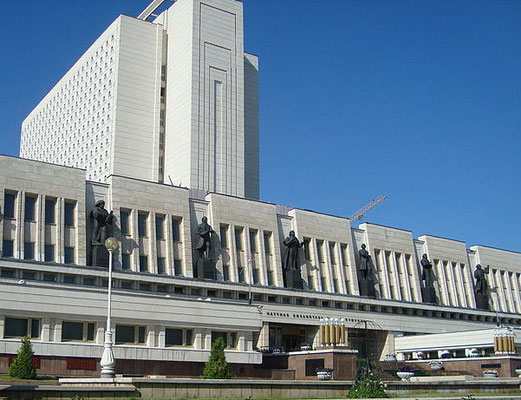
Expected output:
(155, 287)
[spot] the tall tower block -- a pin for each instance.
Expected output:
(206, 144)
(169, 100)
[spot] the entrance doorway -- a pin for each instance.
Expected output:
(291, 337)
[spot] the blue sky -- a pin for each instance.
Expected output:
(417, 100)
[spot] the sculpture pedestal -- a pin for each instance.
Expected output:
(429, 295)
(209, 271)
(205, 269)
(366, 287)
(100, 256)
(292, 279)
(482, 301)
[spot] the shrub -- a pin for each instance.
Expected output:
(22, 367)
(406, 369)
(367, 386)
(217, 367)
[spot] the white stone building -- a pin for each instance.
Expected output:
(173, 100)
(177, 97)
(161, 312)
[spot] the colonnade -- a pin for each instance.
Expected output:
(504, 341)
(332, 332)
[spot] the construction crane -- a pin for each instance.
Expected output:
(360, 213)
(152, 7)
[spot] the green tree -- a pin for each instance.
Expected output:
(22, 367)
(217, 367)
(367, 386)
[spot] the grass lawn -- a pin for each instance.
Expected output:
(458, 395)
(7, 378)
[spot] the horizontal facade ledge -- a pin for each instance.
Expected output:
(69, 349)
(357, 301)
(214, 382)
(487, 359)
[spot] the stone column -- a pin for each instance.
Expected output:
(508, 288)
(414, 282)
(500, 289)
(515, 284)
(161, 336)
(469, 287)
(151, 337)
(461, 286)
(208, 339)
(264, 335)
(169, 246)
(199, 338)
(453, 290)
(341, 273)
(60, 233)
(20, 226)
(241, 341)
(389, 344)
(234, 260)
(263, 258)
(315, 260)
(442, 282)
(57, 331)
(406, 281)
(134, 235)
(100, 334)
(250, 261)
(380, 258)
(46, 329)
(39, 242)
(329, 266)
(152, 243)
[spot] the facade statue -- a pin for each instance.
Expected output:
(428, 278)
(291, 261)
(481, 287)
(365, 271)
(204, 243)
(102, 223)
(365, 261)
(291, 264)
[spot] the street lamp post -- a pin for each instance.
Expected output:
(107, 360)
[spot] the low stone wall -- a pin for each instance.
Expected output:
(236, 388)
(89, 367)
(504, 365)
(461, 386)
(164, 388)
(303, 364)
(52, 392)
(288, 366)
(168, 388)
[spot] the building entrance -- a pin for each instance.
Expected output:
(291, 337)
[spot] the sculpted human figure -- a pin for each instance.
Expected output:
(427, 273)
(428, 277)
(365, 268)
(365, 261)
(291, 261)
(102, 223)
(481, 280)
(204, 244)
(481, 286)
